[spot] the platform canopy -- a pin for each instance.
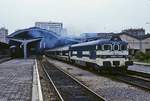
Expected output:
(49, 39)
(38, 39)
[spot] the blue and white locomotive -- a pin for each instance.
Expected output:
(100, 55)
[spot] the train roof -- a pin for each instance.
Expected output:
(113, 40)
(59, 49)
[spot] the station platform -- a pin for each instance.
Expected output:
(19, 80)
(139, 67)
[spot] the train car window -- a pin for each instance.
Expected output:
(123, 47)
(99, 47)
(116, 47)
(79, 54)
(88, 48)
(71, 53)
(92, 54)
(107, 47)
(66, 53)
(57, 52)
(63, 53)
(60, 53)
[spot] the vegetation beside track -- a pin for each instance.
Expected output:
(142, 57)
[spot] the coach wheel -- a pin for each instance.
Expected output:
(72, 61)
(91, 68)
(123, 69)
(96, 67)
(99, 70)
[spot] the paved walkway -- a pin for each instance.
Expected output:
(16, 80)
(141, 63)
(140, 68)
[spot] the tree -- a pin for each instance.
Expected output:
(140, 56)
(147, 55)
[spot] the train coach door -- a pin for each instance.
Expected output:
(93, 54)
(79, 54)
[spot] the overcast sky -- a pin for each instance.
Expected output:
(78, 16)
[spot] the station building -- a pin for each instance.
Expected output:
(3, 35)
(56, 27)
(136, 43)
(136, 38)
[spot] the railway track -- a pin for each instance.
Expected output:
(4, 59)
(138, 79)
(67, 87)
(133, 80)
(140, 74)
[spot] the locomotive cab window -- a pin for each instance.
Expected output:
(99, 47)
(107, 47)
(123, 47)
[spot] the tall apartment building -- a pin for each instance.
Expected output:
(3, 34)
(51, 26)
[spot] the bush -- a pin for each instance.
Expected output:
(147, 55)
(140, 56)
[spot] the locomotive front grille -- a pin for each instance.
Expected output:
(116, 63)
(106, 63)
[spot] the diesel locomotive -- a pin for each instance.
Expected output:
(100, 55)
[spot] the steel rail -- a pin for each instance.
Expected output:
(141, 83)
(135, 81)
(57, 91)
(75, 88)
(142, 74)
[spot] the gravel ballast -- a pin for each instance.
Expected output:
(140, 68)
(48, 91)
(109, 89)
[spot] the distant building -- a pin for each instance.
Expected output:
(95, 36)
(51, 26)
(64, 31)
(135, 32)
(136, 43)
(136, 38)
(3, 34)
